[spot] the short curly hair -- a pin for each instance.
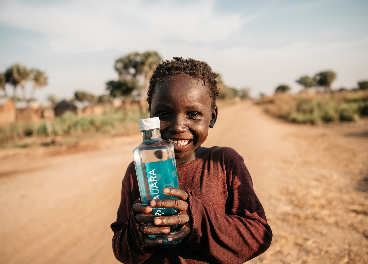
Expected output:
(194, 68)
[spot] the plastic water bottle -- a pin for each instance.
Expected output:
(155, 165)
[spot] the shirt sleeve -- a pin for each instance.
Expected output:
(127, 242)
(237, 236)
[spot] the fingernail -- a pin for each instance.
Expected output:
(167, 231)
(169, 239)
(160, 241)
(166, 190)
(153, 203)
(157, 221)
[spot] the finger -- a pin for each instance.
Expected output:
(145, 218)
(172, 219)
(142, 208)
(153, 241)
(154, 230)
(182, 233)
(170, 203)
(181, 194)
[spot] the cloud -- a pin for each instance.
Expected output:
(258, 48)
(263, 69)
(123, 25)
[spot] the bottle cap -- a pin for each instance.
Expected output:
(149, 123)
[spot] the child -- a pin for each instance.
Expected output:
(224, 222)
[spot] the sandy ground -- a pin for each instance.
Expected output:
(57, 204)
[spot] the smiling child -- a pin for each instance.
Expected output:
(223, 220)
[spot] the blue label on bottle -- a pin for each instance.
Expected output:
(160, 175)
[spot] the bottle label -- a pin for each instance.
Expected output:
(160, 175)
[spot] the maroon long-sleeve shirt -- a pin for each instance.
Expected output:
(228, 221)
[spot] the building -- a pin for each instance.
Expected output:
(63, 106)
(7, 111)
(28, 112)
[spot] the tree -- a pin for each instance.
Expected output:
(52, 99)
(150, 59)
(363, 85)
(307, 82)
(222, 87)
(138, 67)
(16, 75)
(123, 88)
(105, 98)
(226, 92)
(39, 80)
(324, 79)
(282, 89)
(2, 83)
(244, 93)
(84, 97)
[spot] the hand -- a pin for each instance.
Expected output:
(162, 223)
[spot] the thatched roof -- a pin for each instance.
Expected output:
(63, 104)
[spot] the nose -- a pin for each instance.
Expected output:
(177, 125)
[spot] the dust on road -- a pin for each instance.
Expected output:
(312, 181)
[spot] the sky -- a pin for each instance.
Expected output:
(252, 44)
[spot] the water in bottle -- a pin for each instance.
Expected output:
(155, 165)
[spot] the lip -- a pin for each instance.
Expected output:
(179, 144)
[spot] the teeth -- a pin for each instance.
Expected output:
(180, 142)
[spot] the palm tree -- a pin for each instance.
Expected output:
(39, 79)
(2, 83)
(16, 75)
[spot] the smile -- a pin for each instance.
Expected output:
(179, 142)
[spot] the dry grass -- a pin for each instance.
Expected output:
(69, 129)
(317, 108)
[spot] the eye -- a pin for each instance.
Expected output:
(194, 114)
(162, 113)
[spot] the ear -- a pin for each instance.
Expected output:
(214, 117)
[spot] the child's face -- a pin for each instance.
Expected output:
(183, 105)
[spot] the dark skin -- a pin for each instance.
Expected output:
(184, 107)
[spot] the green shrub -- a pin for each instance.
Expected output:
(364, 109)
(28, 129)
(328, 111)
(347, 113)
(56, 129)
(317, 108)
(305, 105)
(71, 124)
(68, 122)
(42, 129)
(84, 124)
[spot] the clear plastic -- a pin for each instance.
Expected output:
(155, 165)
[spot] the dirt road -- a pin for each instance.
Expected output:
(56, 206)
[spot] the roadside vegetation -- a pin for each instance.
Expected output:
(134, 71)
(315, 108)
(70, 128)
(317, 102)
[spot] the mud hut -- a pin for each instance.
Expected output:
(64, 106)
(28, 112)
(7, 111)
(95, 109)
